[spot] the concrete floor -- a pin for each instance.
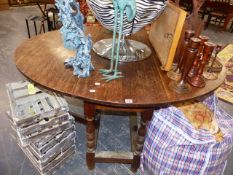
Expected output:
(13, 161)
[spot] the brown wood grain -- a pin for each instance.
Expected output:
(4, 5)
(41, 60)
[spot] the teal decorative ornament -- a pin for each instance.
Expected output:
(120, 6)
(74, 37)
(124, 17)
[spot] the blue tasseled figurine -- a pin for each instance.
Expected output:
(74, 37)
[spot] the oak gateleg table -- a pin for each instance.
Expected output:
(144, 87)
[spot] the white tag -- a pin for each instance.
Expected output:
(92, 90)
(128, 101)
(97, 84)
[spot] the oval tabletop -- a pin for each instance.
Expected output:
(41, 59)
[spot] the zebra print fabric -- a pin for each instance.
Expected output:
(146, 12)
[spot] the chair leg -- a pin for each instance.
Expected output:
(218, 24)
(48, 21)
(43, 27)
(35, 27)
(202, 15)
(29, 36)
(54, 22)
(208, 21)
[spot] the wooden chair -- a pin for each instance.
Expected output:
(187, 5)
(218, 12)
(204, 10)
(35, 19)
(52, 23)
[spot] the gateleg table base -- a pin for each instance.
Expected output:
(137, 137)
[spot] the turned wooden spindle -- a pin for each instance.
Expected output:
(188, 35)
(189, 56)
(145, 117)
(176, 74)
(197, 60)
(198, 79)
(89, 112)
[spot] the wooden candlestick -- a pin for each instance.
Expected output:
(198, 79)
(197, 60)
(176, 74)
(189, 55)
(209, 74)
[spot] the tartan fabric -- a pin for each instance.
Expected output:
(173, 147)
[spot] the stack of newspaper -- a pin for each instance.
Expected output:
(42, 125)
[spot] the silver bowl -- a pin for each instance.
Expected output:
(146, 12)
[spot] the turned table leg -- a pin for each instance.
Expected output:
(89, 112)
(145, 117)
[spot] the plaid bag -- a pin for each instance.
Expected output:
(173, 146)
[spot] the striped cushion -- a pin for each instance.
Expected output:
(146, 12)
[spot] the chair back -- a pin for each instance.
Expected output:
(222, 6)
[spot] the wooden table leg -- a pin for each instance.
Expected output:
(145, 117)
(89, 112)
